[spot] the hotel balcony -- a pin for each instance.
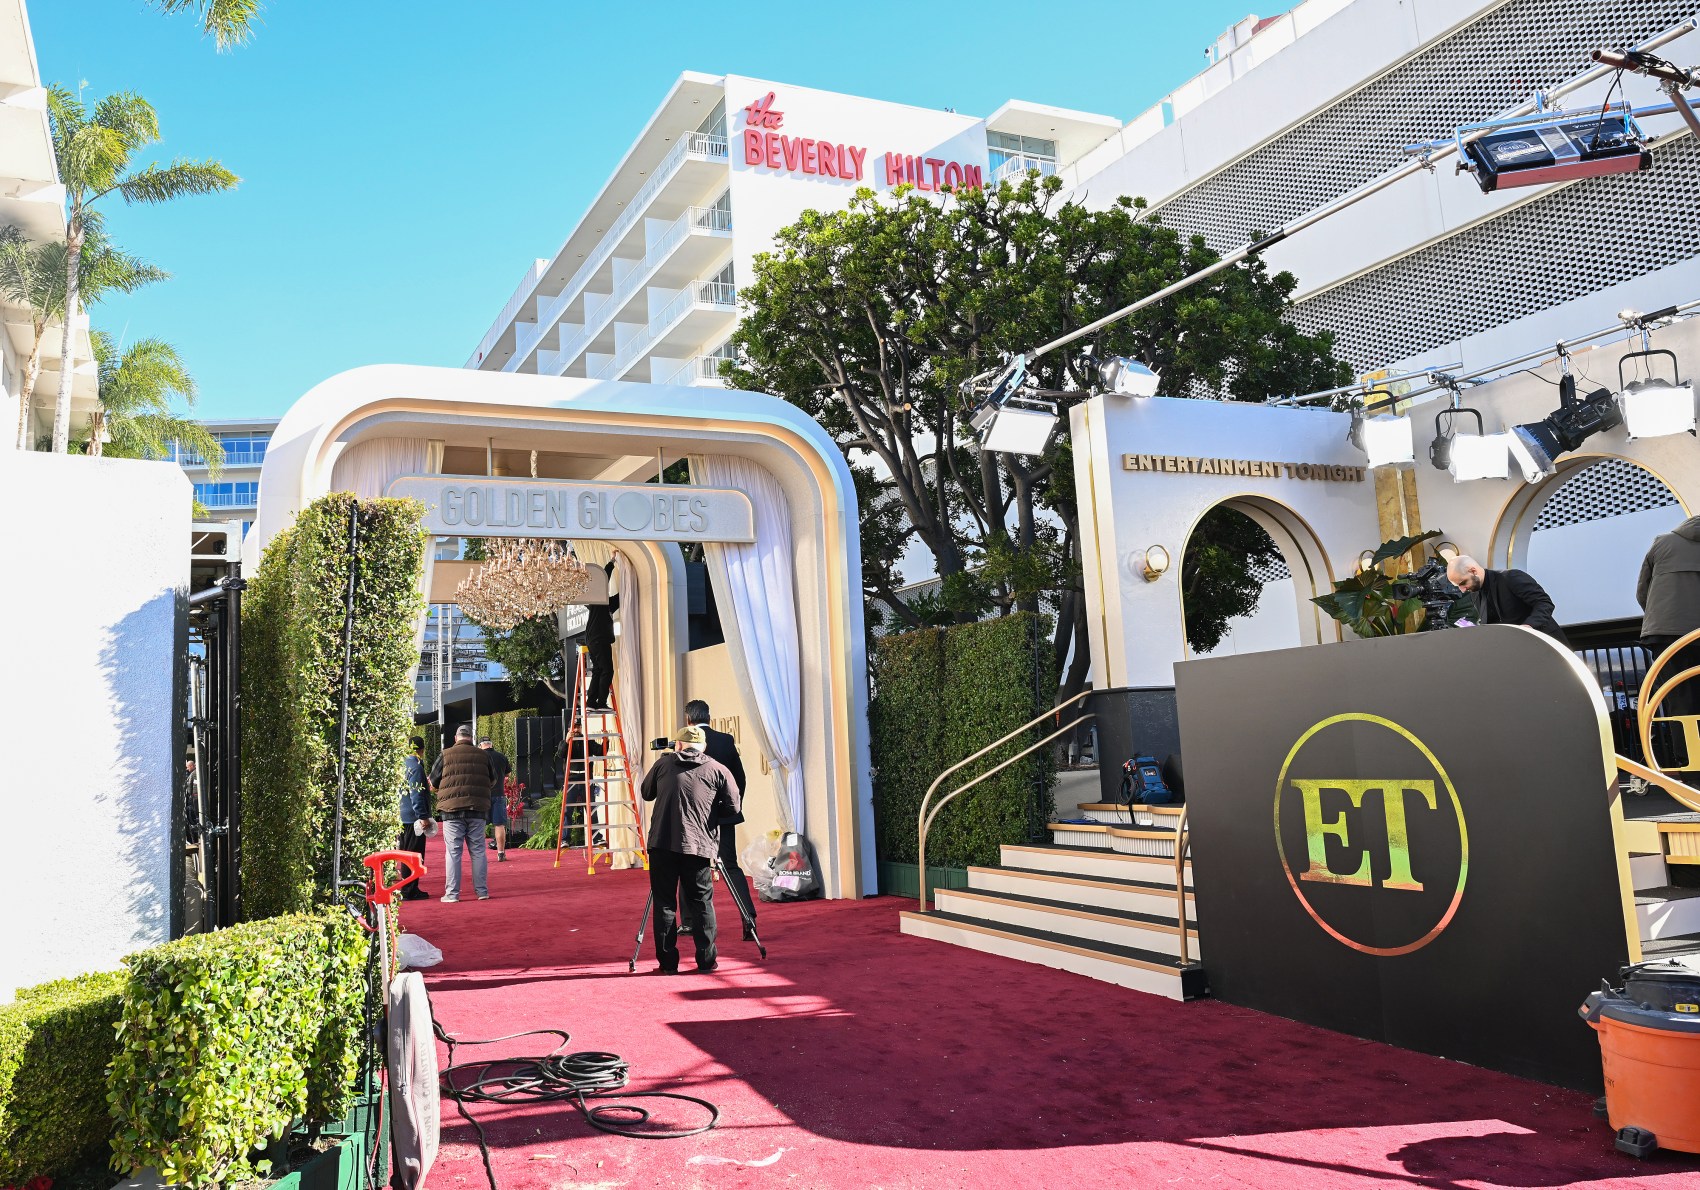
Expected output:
(702, 371)
(690, 169)
(703, 311)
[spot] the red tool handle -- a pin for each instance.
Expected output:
(384, 894)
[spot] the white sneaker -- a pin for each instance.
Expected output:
(448, 900)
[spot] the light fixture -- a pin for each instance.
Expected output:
(1156, 563)
(1366, 561)
(522, 577)
(1537, 445)
(1127, 377)
(1544, 147)
(1387, 439)
(1468, 456)
(1652, 406)
(1446, 550)
(1009, 423)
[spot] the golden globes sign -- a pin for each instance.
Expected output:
(463, 506)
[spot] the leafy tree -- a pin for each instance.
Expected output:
(94, 147)
(138, 385)
(870, 319)
(1218, 574)
(32, 276)
(228, 22)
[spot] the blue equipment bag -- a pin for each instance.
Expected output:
(1142, 783)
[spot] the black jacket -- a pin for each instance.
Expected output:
(1513, 597)
(1669, 586)
(723, 748)
(690, 792)
(599, 619)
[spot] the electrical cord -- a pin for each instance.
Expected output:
(557, 1077)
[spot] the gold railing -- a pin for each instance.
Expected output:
(1183, 840)
(924, 821)
(1646, 716)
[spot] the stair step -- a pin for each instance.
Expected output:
(1104, 892)
(1647, 871)
(1116, 814)
(1665, 948)
(1091, 861)
(1142, 970)
(1125, 840)
(1069, 919)
(1667, 912)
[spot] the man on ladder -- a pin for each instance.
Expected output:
(599, 640)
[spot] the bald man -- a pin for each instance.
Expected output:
(1506, 597)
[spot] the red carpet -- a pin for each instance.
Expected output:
(856, 1057)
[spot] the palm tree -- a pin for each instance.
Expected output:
(229, 22)
(94, 148)
(32, 275)
(136, 419)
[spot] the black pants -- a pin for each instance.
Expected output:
(742, 893)
(670, 874)
(416, 844)
(601, 674)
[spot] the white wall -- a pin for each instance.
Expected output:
(1590, 568)
(1273, 624)
(96, 619)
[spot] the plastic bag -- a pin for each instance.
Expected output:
(756, 860)
(413, 951)
(795, 876)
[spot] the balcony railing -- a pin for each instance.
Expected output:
(703, 369)
(693, 144)
(228, 499)
(1018, 167)
(709, 219)
(722, 294)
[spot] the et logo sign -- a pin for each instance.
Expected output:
(1379, 861)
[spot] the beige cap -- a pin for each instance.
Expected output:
(691, 734)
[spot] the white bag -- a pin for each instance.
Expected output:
(413, 951)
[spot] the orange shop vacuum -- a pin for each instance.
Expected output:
(1649, 1034)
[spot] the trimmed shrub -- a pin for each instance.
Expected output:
(226, 1038)
(292, 621)
(940, 695)
(56, 1041)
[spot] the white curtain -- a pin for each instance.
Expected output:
(755, 591)
(367, 467)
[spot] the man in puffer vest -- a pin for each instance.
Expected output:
(462, 778)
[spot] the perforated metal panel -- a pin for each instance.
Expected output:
(1608, 488)
(1490, 65)
(1273, 571)
(1572, 242)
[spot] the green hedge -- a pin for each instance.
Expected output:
(503, 730)
(227, 1038)
(56, 1041)
(940, 695)
(292, 619)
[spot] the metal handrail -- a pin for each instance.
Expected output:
(1183, 840)
(924, 821)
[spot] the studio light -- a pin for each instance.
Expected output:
(1545, 147)
(1127, 377)
(1008, 423)
(1653, 407)
(1537, 445)
(1386, 439)
(1468, 456)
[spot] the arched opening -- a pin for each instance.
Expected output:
(1249, 569)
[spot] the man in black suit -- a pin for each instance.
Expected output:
(1506, 597)
(723, 748)
(599, 643)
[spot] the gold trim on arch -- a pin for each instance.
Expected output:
(1310, 571)
(833, 582)
(1557, 480)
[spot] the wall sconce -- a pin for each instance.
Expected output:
(1366, 560)
(1446, 551)
(1155, 564)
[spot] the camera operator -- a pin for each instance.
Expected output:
(1506, 596)
(722, 747)
(689, 791)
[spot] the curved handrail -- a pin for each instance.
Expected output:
(923, 820)
(1651, 771)
(1183, 839)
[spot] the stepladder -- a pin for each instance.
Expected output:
(598, 782)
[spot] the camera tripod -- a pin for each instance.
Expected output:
(744, 912)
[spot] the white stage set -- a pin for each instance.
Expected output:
(1148, 469)
(772, 504)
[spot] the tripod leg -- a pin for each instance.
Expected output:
(637, 947)
(749, 918)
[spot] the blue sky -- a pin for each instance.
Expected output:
(403, 163)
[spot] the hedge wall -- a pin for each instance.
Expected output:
(940, 695)
(226, 1038)
(503, 730)
(56, 1041)
(292, 619)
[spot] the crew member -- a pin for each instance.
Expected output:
(498, 798)
(1669, 593)
(1506, 597)
(462, 778)
(689, 791)
(415, 812)
(580, 751)
(599, 641)
(723, 748)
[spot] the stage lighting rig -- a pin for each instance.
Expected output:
(1537, 445)
(1545, 147)
(1673, 80)
(1008, 422)
(1127, 377)
(1652, 406)
(1467, 456)
(1386, 439)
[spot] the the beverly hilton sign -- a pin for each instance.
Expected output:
(459, 506)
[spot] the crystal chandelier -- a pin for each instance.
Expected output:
(522, 577)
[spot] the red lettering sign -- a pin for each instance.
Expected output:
(760, 114)
(822, 158)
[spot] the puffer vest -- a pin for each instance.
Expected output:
(465, 783)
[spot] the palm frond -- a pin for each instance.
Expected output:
(161, 183)
(228, 22)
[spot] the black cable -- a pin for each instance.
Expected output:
(557, 1077)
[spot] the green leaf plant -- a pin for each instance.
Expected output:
(1371, 602)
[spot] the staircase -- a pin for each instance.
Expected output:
(1664, 867)
(1099, 900)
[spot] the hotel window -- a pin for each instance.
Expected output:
(228, 494)
(718, 215)
(719, 289)
(715, 124)
(1010, 154)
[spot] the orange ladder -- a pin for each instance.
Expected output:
(609, 775)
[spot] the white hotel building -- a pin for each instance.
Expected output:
(645, 287)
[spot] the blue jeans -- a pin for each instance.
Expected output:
(471, 830)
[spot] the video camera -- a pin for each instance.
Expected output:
(1444, 604)
(660, 744)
